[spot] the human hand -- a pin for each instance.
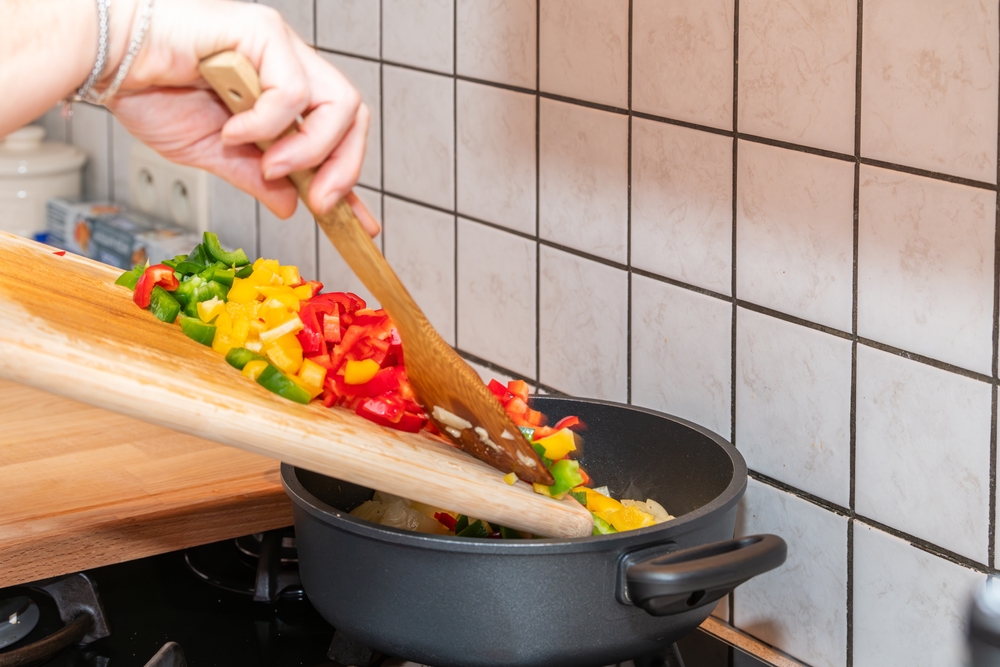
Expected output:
(165, 103)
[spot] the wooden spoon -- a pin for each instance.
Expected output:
(443, 381)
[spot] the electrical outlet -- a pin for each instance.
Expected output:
(166, 190)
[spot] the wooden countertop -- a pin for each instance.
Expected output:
(82, 487)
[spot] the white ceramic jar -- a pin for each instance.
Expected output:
(31, 172)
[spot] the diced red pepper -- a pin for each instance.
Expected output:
(447, 520)
(385, 380)
(566, 422)
(315, 285)
(158, 274)
(331, 326)
(61, 253)
(498, 390)
(519, 388)
(533, 417)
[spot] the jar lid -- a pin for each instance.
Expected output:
(24, 153)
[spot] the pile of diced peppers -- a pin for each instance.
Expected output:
(291, 338)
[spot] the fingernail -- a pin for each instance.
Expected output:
(276, 170)
(330, 201)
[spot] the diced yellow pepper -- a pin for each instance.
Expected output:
(359, 372)
(559, 444)
(254, 368)
(262, 276)
(271, 265)
(289, 275)
(285, 353)
(283, 294)
(275, 313)
(600, 504)
(241, 331)
(244, 290)
(224, 324)
(629, 518)
(312, 374)
(313, 391)
(544, 490)
(510, 478)
(247, 311)
(303, 291)
(209, 310)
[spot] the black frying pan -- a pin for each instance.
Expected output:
(450, 601)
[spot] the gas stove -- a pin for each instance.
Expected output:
(237, 602)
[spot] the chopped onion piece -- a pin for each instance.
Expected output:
(657, 510)
(526, 460)
(506, 435)
(449, 419)
(484, 437)
(603, 490)
(453, 432)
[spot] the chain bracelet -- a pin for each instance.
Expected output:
(103, 44)
(138, 36)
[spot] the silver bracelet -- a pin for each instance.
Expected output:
(138, 35)
(103, 43)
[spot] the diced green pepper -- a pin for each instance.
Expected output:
(245, 272)
(540, 450)
(198, 256)
(510, 533)
(194, 289)
(602, 527)
(214, 250)
(130, 278)
(172, 263)
(188, 268)
(580, 496)
(474, 529)
(238, 357)
(566, 473)
(528, 432)
(461, 523)
(163, 305)
(195, 329)
(275, 381)
(223, 275)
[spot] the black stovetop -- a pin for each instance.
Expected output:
(151, 601)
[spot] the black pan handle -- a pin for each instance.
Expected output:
(696, 577)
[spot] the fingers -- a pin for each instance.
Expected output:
(335, 178)
(367, 221)
(332, 110)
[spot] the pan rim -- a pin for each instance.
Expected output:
(341, 520)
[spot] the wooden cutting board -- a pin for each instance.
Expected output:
(82, 487)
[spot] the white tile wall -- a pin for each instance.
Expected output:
(929, 86)
(793, 404)
(663, 207)
(292, 241)
(420, 246)
(418, 124)
(419, 33)
(682, 204)
(583, 179)
(583, 49)
(298, 14)
(496, 174)
(797, 71)
(684, 45)
(495, 40)
(91, 133)
(795, 233)
(801, 607)
(682, 365)
(925, 266)
(583, 326)
(905, 479)
(351, 26)
(909, 605)
(334, 272)
(366, 76)
(232, 215)
(496, 296)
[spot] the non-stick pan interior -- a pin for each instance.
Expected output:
(636, 453)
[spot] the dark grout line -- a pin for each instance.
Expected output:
(468, 356)
(927, 361)
(538, 196)
(996, 359)
(454, 161)
(584, 103)
(926, 173)
(853, 426)
(733, 338)
(628, 225)
(764, 310)
(682, 285)
(683, 123)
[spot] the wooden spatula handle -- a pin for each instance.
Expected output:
(236, 82)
